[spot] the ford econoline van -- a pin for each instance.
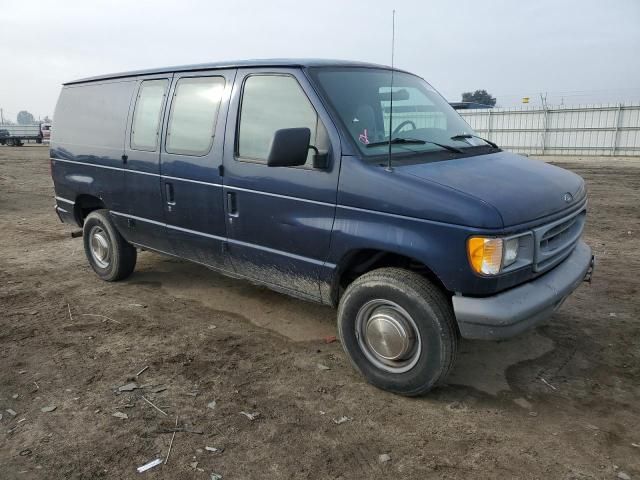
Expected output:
(327, 181)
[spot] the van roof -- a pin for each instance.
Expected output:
(270, 62)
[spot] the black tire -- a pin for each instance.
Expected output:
(430, 312)
(120, 258)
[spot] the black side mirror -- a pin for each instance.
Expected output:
(289, 147)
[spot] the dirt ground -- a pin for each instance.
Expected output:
(560, 402)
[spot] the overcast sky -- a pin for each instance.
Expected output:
(582, 50)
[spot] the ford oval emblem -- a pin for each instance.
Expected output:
(567, 197)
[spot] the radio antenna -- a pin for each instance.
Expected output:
(393, 40)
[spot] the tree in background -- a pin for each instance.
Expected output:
(479, 96)
(25, 118)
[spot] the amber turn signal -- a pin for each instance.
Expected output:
(485, 255)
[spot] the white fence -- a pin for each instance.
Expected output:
(563, 130)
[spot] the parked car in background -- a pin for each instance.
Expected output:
(292, 174)
(468, 105)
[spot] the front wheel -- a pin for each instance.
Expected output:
(398, 330)
(110, 255)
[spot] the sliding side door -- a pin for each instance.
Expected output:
(191, 156)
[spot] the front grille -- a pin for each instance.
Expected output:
(556, 240)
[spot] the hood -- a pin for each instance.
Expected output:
(519, 188)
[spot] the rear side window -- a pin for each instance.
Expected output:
(94, 116)
(194, 110)
(270, 103)
(146, 117)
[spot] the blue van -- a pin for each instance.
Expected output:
(344, 183)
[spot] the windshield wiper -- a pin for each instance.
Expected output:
(413, 141)
(468, 135)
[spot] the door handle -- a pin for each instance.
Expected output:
(232, 204)
(168, 187)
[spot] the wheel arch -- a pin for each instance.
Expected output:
(360, 261)
(84, 205)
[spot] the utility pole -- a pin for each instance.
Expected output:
(545, 120)
(1, 116)
(543, 100)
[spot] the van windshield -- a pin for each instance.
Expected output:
(362, 99)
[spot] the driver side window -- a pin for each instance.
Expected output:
(270, 103)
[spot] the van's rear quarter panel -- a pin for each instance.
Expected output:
(87, 143)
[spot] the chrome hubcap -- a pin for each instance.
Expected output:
(388, 336)
(100, 247)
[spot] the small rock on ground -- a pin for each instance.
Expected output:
(623, 476)
(340, 420)
(524, 403)
(384, 458)
(49, 408)
(128, 387)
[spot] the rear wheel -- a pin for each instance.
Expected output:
(398, 330)
(109, 254)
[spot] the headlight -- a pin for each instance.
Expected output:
(510, 251)
(490, 255)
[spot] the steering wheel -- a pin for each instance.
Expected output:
(399, 127)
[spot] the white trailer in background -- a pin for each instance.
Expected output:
(16, 135)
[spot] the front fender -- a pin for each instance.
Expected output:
(439, 246)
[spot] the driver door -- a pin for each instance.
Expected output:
(279, 219)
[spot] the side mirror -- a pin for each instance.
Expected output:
(289, 147)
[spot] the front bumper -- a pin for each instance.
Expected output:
(518, 309)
